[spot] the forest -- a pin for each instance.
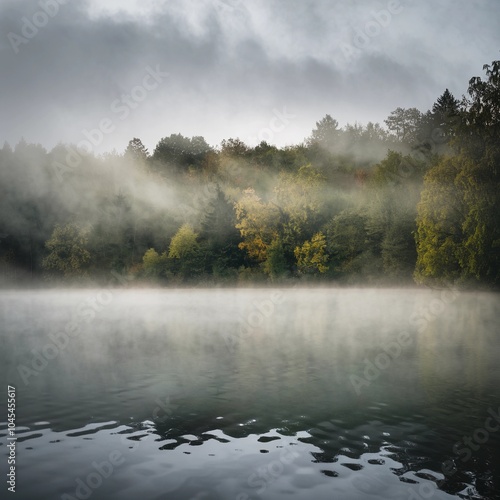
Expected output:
(416, 200)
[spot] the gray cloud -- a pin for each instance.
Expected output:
(231, 63)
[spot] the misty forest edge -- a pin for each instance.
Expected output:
(417, 201)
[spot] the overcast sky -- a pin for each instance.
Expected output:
(253, 69)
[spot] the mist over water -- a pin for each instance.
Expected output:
(238, 394)
(217, 220)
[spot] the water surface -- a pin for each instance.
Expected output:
(239, 394)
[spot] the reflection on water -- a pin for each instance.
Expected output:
(239, 394)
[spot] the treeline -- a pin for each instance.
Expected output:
(417, 199)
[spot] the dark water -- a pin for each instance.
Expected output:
(225, 394)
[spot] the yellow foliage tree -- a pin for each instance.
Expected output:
(311, 256)
(257, 223)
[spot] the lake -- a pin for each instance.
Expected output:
(244, 394)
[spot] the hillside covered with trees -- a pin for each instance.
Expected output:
(415, 200)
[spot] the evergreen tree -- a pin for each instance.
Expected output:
(219, 234)
(446, 105)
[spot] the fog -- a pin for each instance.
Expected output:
(202, 391)
(249, 249)
(232, 144)
(186, 346)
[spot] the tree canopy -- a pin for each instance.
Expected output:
(416, 198)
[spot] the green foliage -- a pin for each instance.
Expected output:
(179, 153)
(187, 253)
(184, 244)
(300, 199)
(355, 255)
(390, 216)
(346, 239)
(445, 115)
(154, 265)
(112, 239)
(446, 105)
(68, 253)
(220, 236)
(458, 235)
(404, 124)
(275, 264)
(218, 223)
(234, 147)
(357, 203)
(326, 132)
(439, 223)
(397, 169)
(398, 250)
